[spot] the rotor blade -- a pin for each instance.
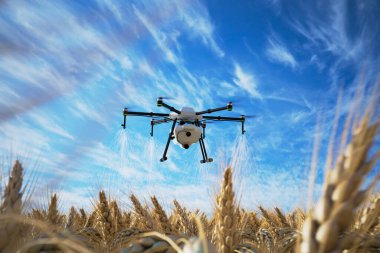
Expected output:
(247, 116)
(166, 98)
(234, 101)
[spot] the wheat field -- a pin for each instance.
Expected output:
(345, 219)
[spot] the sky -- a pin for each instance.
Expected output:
(68, 68)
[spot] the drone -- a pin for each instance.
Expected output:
(188, 126)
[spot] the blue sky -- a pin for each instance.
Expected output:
(67, 70)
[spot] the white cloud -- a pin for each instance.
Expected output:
(247, 82)
(82, 109)
(196, 17)
(50, 124)
(138, 96)
(104, 156)
(331, 34)
(227, 89)
(126, 63)
(159, 37)
(289, 99)
(279, 53)
(27, 143)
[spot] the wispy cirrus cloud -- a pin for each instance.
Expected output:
(335, 33)
(51, 123)
(196, 17)
(159, 37)
(84, 110)
(278, 52)
(190, 20)
(247, 82)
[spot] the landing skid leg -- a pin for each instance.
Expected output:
(164, 158)
(204, 153)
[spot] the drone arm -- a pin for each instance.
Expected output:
(227, 107)
(157, 122)
(220, 118)
(160, 121)
(148, 114)
(171, 108)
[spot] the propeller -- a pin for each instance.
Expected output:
(166, 98)
(234, 101)
(129, 108)
(249, 116)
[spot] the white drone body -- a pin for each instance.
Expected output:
(188, 126)
(187, 133)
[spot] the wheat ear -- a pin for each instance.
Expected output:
(117, 217)
(323, 230)
(225, 216)
(104, 217)
(53, 215)
(161, 217)
(11, 205)
(73, 219)
(142, 214)
(185, 224)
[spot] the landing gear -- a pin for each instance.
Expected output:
(171, 137)
(209, 160)
(203, 149)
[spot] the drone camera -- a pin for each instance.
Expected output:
(229, 106)
(186, 146)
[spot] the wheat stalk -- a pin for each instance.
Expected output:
(83, 218)
(369, 219)
(117, 217)
(144, 217)
(323, 230)
(12, 202)
(53, 215)
(161, 216)
(104, 217)
(72, 219)
(226, 235)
